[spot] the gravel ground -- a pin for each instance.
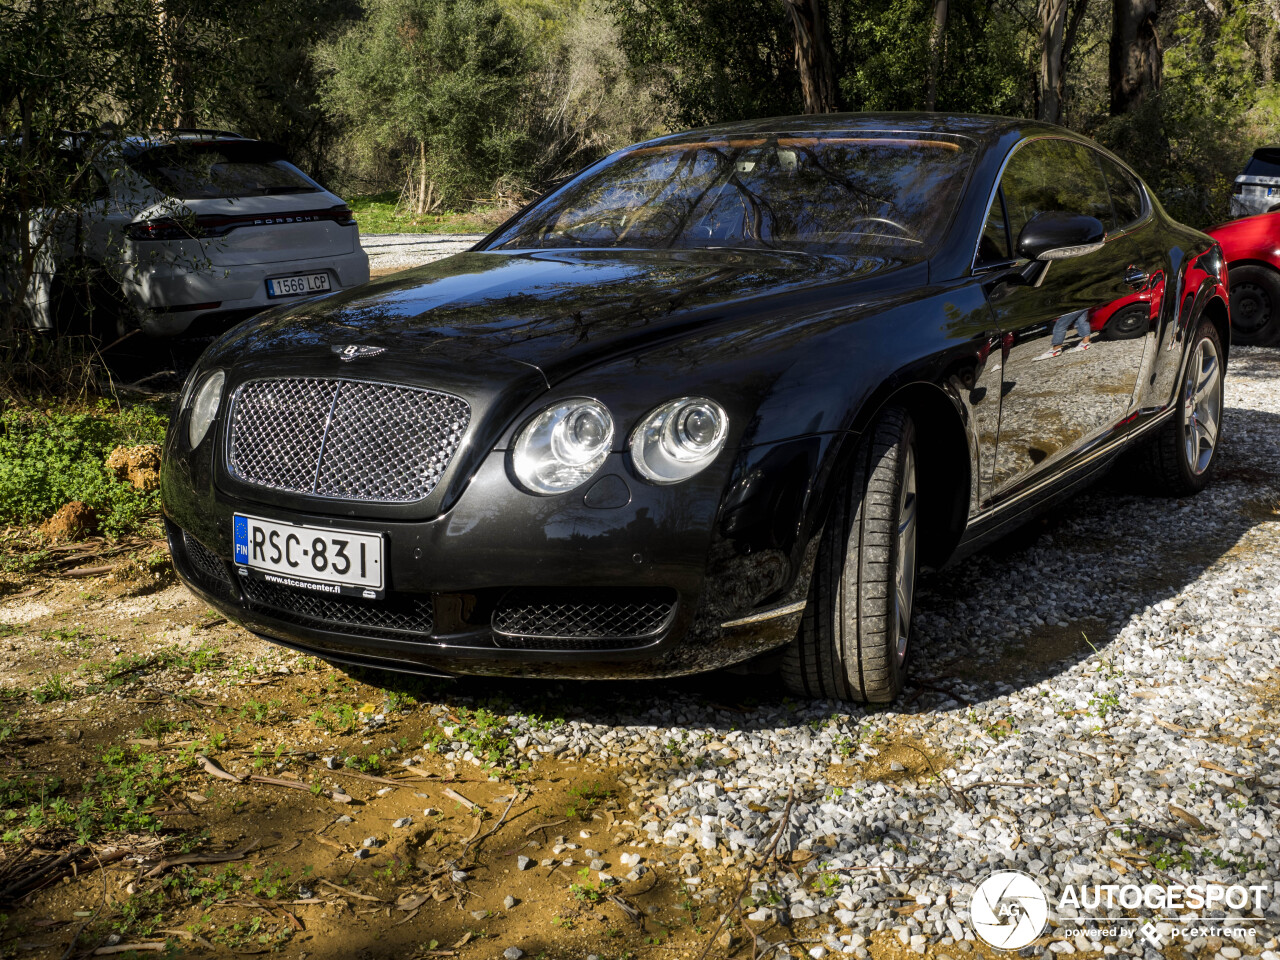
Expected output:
(1116, 665)
(400, 251)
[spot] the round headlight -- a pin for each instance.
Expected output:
(563, 446)
(678, 439)
(204, 407)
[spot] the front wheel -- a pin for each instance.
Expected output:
(855, 638)
(1181, 457)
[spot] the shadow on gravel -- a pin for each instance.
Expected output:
(1027, 608)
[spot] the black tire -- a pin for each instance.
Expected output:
(1255, 305)
(1165, 459)
(1129, 323)
(848, 644)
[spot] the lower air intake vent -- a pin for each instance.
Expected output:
(557, 619)
(210, 570)
(397, 618)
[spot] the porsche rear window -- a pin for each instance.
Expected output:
(862, 193)
(200, 171)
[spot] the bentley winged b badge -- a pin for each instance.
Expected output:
(352, 351)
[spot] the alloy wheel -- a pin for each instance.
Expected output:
(1202, 405)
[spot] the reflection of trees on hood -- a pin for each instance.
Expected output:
(563, 300)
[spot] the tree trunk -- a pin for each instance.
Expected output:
(1137, 59)
(177, 85)
(936, 36)
(1053, 32)
(813, 56)
(422, 177)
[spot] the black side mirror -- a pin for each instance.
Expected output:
(1056, 235)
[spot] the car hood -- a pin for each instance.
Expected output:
(555, 311)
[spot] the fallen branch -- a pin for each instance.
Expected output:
(335, 795)
(351, 893)
(54, 870)
(92, 572)
(544, 826)
(156, 945)
(365, 776)
(187, 858)
(213, 769)
(455, 795)
(497, 826)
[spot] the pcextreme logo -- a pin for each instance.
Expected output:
(1008, 910)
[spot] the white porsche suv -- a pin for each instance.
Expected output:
(196, 226)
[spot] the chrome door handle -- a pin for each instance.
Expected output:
(1136, 277)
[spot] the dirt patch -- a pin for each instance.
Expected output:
(1261, 508)
(74, 521)
(895, 759)
(115, 698)
(139, 466)
(1036, 654)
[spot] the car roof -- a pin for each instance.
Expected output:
(977, 127)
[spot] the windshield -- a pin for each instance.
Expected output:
(204, 171)
(857, 194)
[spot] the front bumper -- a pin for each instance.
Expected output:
(733, 570)
(171, 297)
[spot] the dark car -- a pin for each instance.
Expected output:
(1257, 189)
(723, 393)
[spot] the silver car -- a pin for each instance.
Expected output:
(1257, 190)
(196, 225)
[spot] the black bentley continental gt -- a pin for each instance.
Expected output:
(722, 393)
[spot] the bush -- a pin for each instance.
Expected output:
(51, 457)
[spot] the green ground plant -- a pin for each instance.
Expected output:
(50, 457)
(383, 213)
(120, 796)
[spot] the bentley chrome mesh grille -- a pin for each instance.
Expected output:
(535, 619)
(344, 439)
(327, 612)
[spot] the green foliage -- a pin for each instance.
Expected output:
(586, 799)
(56, 688)
(880, 52)
(118, 797)
(49, 458)
(444, 77)
(383, 213)
(1191, 141)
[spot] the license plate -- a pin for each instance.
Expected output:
(320, 559)
(297, 285)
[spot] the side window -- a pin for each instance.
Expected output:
(1126, 197)
(993, 247)
(1048, 175)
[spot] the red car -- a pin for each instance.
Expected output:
(1130, 316)
(1252, 249)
